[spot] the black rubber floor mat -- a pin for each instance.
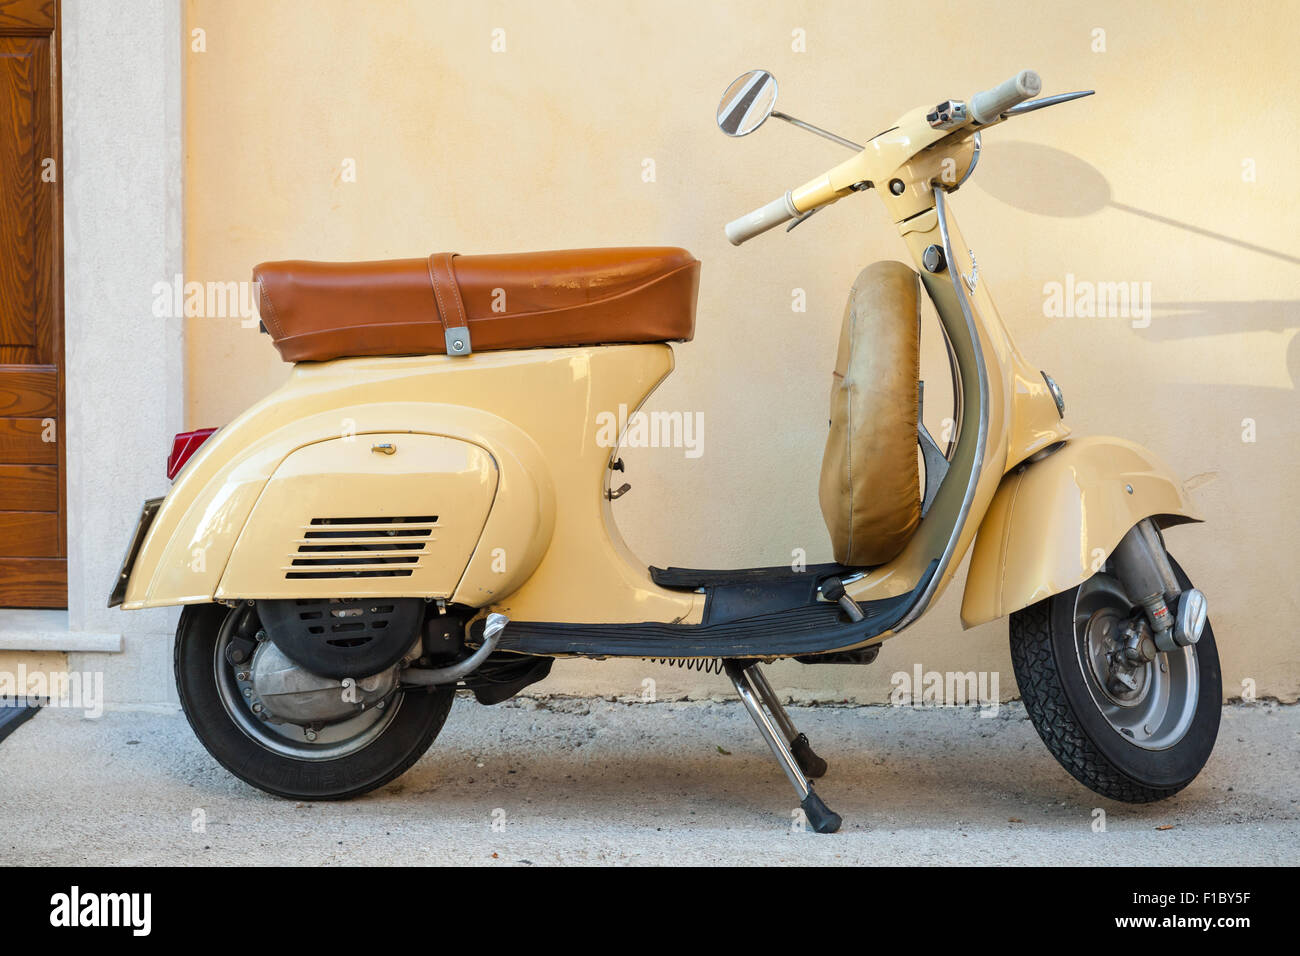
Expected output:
(806, 627)
(13, 715)
(689, 579)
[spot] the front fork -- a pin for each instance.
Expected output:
(1143, 568)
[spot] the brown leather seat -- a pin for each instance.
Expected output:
(316, 311)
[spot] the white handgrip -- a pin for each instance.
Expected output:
(986, 107)
(761, 219)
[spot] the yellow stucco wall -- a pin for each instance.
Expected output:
(1177, 173)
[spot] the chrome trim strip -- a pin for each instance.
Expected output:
(974, 161)
(981, 435)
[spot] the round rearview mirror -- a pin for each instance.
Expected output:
(748, 102)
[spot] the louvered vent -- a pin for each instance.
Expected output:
(361, 547)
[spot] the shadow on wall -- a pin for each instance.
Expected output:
(1071, 188)
(1076, 189)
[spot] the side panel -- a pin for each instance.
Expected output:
(193, 537)
(360, 516)
(549, 549)
(575, 411)
(1052, 523)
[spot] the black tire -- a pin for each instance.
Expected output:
(401, 743)
(1056, 695)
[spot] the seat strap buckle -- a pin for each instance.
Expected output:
(458, 342)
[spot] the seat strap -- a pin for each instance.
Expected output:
(451, 310)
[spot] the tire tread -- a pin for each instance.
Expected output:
(247, 770)
(1035, 666)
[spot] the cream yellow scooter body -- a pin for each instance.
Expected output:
(1028, 548)
(493, 461)
(499, 449)
(1053, 523)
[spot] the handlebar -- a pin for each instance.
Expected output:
(762, 219)
(985, 108)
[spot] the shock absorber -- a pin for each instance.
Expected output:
(1143, 567)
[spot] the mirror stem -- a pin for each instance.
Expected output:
(818, 130)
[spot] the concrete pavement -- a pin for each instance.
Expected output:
(603, 782)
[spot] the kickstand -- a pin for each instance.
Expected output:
(748, 680)
(811, 764)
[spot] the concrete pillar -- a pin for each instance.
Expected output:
(122, 174)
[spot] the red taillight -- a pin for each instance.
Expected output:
(184, 445)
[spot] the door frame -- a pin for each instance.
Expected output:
(43, 18)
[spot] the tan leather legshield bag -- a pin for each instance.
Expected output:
(870, 485)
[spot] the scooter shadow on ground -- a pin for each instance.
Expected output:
(892, 762)
(888, 771)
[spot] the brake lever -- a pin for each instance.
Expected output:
(856, 187)
(805, 217)
(1028, 106)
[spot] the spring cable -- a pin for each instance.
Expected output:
(706, 665)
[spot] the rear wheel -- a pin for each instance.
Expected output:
(342, 759)
(1138, 742)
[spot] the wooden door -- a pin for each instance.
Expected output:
(33, 549)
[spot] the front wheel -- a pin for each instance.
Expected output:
(301, 762)
(1134, 743)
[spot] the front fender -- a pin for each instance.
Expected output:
(1052, 523)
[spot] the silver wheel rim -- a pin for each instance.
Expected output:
(1158, 713)
(332, 741)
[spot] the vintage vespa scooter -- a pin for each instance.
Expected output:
(424, 506)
